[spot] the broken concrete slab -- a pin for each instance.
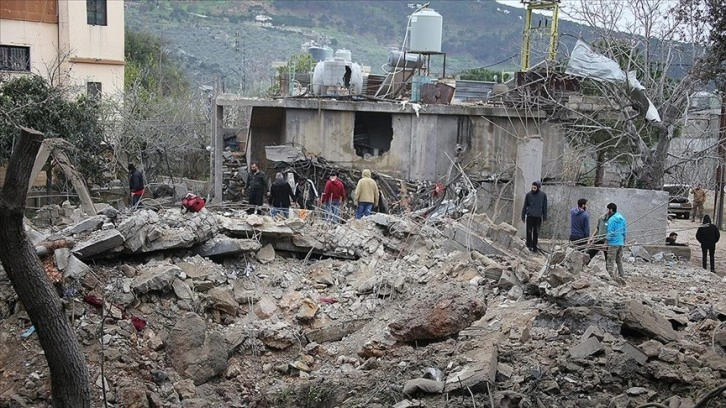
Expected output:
(240, 228)
(86, 225)
(196, 352)
(336, 331)
(585, 348)
(222, 300)
(482, 370)
(149, 231)
(75, 268)
(60, 256)
(641, 318)
(98, 243)
(266, 254)
(469, 239)
(157, 277)
(223, 246)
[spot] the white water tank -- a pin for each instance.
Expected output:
(426, 29)
(344, 54)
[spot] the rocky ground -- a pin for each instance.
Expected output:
(219, 308)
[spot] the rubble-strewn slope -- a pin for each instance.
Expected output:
(202, 310)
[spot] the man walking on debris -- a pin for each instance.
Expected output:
(597, 240)
(699, 197)
(366, 195)
(534, 212)
(617, 232)
(256, 186)
(280, 196)
(333, 195)
(708, 235)
(305, 193)
(136, 185)
(579, 224)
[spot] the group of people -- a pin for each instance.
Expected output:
(611, 231)
(281, 195)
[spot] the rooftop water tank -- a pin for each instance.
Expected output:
(395, 59)
(321, 53)
(344, 54)
(426, 29)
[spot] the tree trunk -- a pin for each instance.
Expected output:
(600, 168)
(68, 372)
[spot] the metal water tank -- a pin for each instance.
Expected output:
(344, 54)
(426, 29)
(333, 72)
(395, 59)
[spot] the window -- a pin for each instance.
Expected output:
(14, 58)
(93, 89)
(96, 12)
(372, 134)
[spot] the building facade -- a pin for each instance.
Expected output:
(78, 44)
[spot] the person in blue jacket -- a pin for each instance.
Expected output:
(617, 233)
(579, 224)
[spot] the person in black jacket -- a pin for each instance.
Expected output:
(256, 186)
(280, 196)
(534, 212)
(708, 235)
(136, 185)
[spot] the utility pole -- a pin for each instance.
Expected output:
(529, 7)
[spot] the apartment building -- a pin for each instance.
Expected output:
(73, 43)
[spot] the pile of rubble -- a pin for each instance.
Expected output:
(228, 309)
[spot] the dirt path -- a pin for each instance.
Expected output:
(687, 234)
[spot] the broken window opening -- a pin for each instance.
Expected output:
(372, 133)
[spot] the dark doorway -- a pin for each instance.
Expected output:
(372, 134)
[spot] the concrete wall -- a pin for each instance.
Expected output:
(644, 210)
(421, 146)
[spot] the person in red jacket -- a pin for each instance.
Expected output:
(333, 195)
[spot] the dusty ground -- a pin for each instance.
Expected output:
(686, 231)
(534, 330)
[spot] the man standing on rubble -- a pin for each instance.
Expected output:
(617, 233)
(708, 235)
(333, 195)
(579, 224)
(280, 196)
(305, 193)
(136, 185)
(699, 197)
(256, 186)
(597, 241)
(534, 212)
(366, 195)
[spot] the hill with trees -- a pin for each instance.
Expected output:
(241, 41)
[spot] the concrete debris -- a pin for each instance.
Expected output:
(447, 309)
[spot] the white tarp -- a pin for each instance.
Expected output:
(585, 62)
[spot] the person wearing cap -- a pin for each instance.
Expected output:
(333, 195)
(534, 211)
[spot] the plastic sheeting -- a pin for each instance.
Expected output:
(585, 62)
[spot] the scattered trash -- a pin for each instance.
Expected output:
(93, 301)
(28, 332)
(139, 323)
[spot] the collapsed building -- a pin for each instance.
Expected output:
(224, 308)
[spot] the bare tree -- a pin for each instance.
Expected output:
(643, 37)
(68, 372)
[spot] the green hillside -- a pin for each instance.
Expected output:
(217, 38)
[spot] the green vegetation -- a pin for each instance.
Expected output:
(30, 101)
(483, 74)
